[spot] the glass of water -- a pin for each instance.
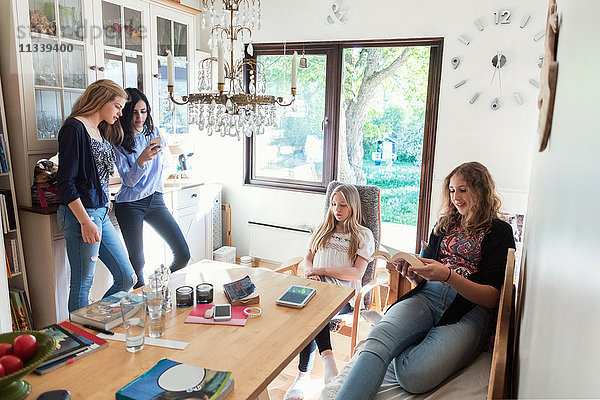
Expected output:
(154, 301)
(134, 323)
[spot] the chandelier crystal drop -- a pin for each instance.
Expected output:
(240, 106)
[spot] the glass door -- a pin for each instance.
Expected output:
(58, 58)
(172, 31)
(124, 43)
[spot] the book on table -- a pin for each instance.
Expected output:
(66, 334)
(106, 313)
(170, 379)
(241, 292)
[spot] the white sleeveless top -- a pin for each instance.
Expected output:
(335, 254)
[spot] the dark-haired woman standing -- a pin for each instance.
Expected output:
(140, 163)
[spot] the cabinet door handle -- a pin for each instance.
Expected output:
(194, 195)
(155, 75)
(93, 67)
(101, 69)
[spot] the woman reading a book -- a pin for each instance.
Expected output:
(86, 161)
(141, 162)
(442, 324)
(338, 253)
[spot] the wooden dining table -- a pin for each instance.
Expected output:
(255, 353)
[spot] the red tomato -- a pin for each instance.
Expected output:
(5, 348)
(2, 371)
(11, 363)
(25, 346)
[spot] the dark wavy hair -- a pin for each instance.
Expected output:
(134, 96)
(486, 202)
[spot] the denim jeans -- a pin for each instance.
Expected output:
(83, 256)
(424, 355)
(152, 209)
(322, 341)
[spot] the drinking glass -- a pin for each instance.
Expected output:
(154, 301)
(134, 323)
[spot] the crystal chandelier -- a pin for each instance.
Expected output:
(232, 110)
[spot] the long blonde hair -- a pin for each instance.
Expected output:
(93, 99)
(486, 203)
(352, 224)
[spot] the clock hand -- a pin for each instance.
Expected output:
(495, 68)
(499, 71)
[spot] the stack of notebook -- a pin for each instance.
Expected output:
(72, 343)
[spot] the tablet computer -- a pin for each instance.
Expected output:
(296, 296)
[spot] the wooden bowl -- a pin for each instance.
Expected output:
(12, 387)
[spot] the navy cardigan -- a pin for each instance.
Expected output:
(490, 270)
(77, 172)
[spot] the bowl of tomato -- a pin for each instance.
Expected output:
(20, 353)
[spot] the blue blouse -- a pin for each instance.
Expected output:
(139, 182)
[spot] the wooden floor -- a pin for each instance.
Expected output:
(341, 349)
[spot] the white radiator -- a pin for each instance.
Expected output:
(274, 243)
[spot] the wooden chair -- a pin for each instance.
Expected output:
(499, 386)
(370, 197)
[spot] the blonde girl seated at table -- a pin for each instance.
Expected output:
(338, 253)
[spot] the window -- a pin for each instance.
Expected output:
(296, 152)
(365, 113)
(173, 36)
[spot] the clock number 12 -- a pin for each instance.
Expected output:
(502, 17)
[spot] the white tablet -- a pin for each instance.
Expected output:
(296, 296)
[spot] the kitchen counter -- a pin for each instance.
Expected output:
(170, 185)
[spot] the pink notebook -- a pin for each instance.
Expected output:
(197, 316)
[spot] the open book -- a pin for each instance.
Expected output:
(396, 256)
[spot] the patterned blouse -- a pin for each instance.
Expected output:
(461, 252)
(104, 156)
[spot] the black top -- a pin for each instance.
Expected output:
(490, 270)
(77, 172)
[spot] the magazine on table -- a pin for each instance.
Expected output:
(170, 379)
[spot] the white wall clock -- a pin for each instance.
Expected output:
(497, 74)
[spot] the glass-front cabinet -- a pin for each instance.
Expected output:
(71, 43)
(173, 32)
(57, 50)
(125, 42)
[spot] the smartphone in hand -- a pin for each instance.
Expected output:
(155, 143)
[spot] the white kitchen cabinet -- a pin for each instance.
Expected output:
(194, 209)
(82, 41)
(197, 210)
(53, 49)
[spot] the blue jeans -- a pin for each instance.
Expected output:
(152, 209)
(83, 256)
(424, 355)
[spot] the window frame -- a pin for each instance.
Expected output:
(330, 128)
(333, 92)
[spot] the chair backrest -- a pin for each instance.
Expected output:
(370, 199)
